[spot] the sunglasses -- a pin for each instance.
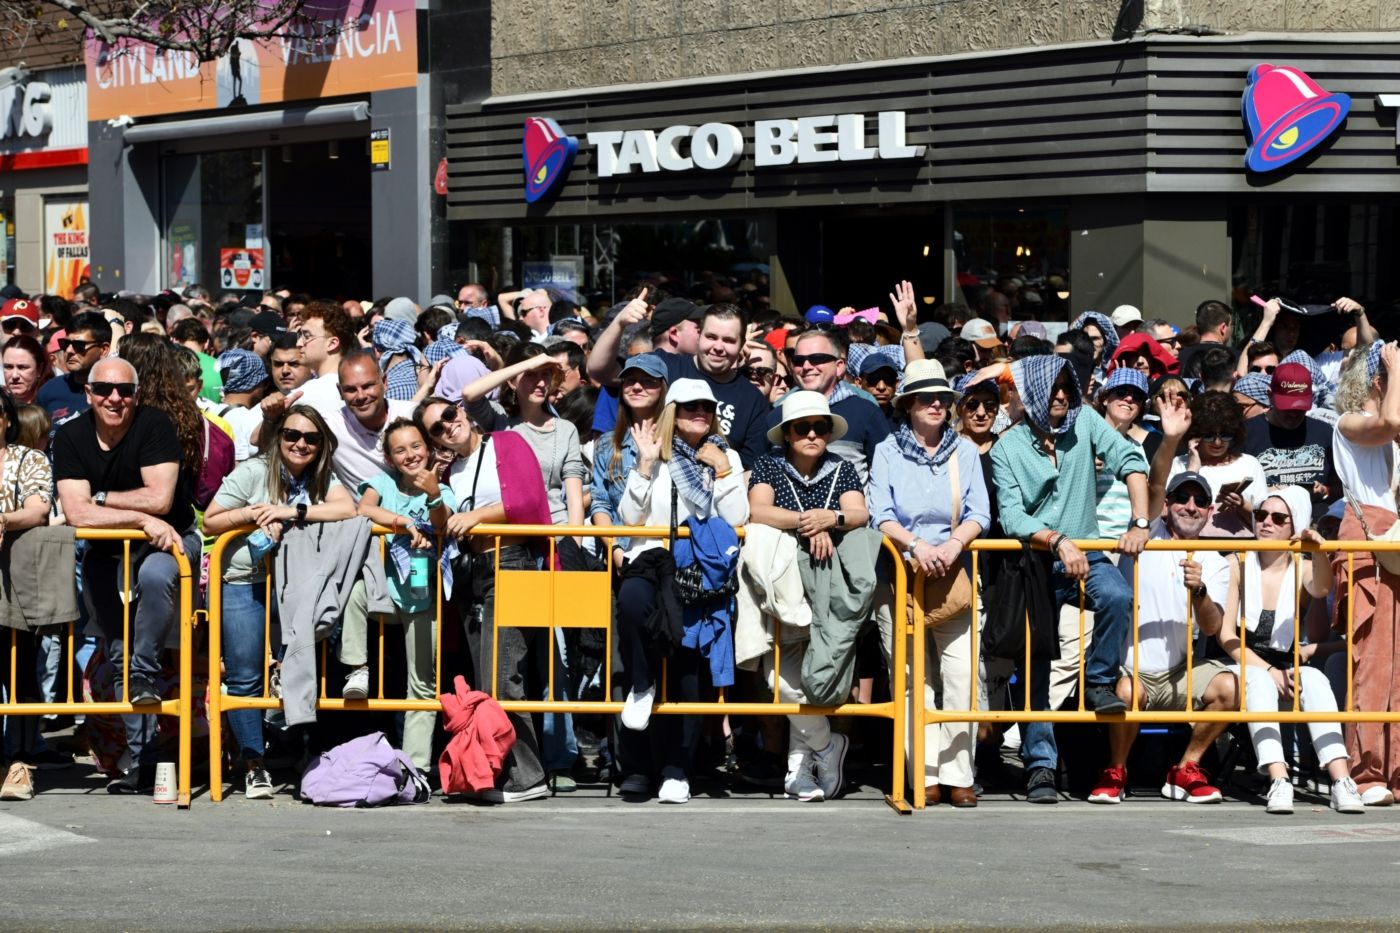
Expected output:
(1278, 518)
(698, 404)
(988, 405)
(449, 415)
(645, 380)
(1215, 438)
(1201, 500)
(104, 389)
(77, 346)
(932, 398)
(1266, 370)
(821, 428)
(759, 373)
(19, 325)
(1125, 392)
(815, 359)
(888, 376)
(293, 436)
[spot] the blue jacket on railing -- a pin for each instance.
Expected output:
(714, 545)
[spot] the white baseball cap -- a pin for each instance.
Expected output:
(690, 390)
(1124, 314)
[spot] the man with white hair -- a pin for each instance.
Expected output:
(118, 465)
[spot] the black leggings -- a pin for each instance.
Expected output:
(672, 740)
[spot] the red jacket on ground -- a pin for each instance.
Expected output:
(482, 737)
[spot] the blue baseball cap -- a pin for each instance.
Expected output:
(649, 363)
(820, 314)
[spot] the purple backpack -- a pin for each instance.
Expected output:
(363, 772)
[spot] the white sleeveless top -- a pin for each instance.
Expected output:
(1367, 473)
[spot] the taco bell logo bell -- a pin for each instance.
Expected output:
(1286, 115)
(548, 154)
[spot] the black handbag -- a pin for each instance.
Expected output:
(1020, 588)
(690, 579)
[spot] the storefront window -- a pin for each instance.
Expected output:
(717, 259)
(214, 220)
(7, 243)
(994, 245)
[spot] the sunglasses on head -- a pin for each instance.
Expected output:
(820, 427)
(1201, 500)
(1266, 370)
(104, 389)
(77, 346)
(698, 404)
(1278, 518)
(815, 359)
(293, 436)
(989, 405)
(449, 415)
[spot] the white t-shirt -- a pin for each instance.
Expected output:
(462, 473)
(323, 394)
(1367, 473)
(359, 452)
(1162, 599)
(244, 422)
(1241, 468)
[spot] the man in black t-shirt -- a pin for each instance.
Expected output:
(1292, 448)
(118, 465)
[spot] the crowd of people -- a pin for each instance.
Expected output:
(299, 424)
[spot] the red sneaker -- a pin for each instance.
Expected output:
(1109, 788)
(1189, 783)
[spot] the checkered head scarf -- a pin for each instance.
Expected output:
(1035, 381)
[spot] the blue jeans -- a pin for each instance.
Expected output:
(245, 661)
(155, 589)
(558, 745)
(1110, 598)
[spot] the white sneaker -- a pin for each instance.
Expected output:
(635, 785)
(1345, 798)
(258, 785)
(674, 787)
(1377, 796)
(831, 762)
(1280, 796)
(804, 787)
(530, 793)
(636, 712)
(356, 684)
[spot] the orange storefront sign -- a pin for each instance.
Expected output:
(358, 46)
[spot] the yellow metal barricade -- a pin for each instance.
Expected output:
(180, 707)
(954, 710)
(547, 599)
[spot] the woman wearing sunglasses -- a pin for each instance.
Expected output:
(496, 479)
(641, 396)
(1215, 449)
(1122, 402)
(1268, 591)
(816, 496)
(929, 497)
(684, 453)
(290, 481)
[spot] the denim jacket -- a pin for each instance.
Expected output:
(607, 490)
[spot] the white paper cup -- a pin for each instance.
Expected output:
(167, 789)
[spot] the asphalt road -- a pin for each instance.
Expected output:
(76, 858)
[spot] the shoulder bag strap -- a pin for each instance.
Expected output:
(476, 477)
(955, 484)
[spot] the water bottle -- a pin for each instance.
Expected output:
(420, 564)
(260, 544)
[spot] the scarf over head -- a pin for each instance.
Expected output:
(1035, 381)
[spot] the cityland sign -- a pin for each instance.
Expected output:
(711, 147)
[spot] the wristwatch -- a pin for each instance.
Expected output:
(100, 499)
(1142, 523)
(301, 511)
(909, 548)
(1199, 592)
(840, 519)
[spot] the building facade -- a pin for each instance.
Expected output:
(1104, 170)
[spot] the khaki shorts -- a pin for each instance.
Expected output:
(1166, 690)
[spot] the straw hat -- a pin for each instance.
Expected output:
(925, 376)
(804, 404)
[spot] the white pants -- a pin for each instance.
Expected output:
(806, 732)
(948, 746)
(1064, 673)
(1314, 696)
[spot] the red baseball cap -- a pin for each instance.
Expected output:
(1292, 388)
(20, 308)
